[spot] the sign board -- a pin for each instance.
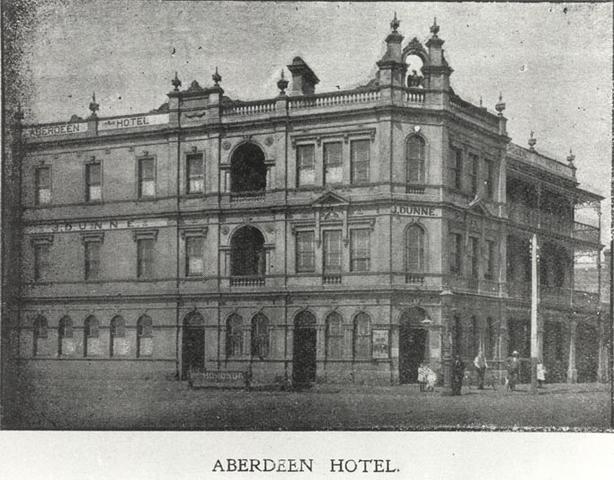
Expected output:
(55, 130)
(96, 225)
(380, 344)
(218, 379)
(133, 122)
(415, 210)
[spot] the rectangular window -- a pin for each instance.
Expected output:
(147, 181)
(305, 252)
(489, 274)
(43, 185)
(334, 337)
(474, 256)
(360, 152)
(144, 258)
(456, 259)
(41, 261)
(194, 255)
(332, 251)
(306, 165)
(456, 168)
(92, 260)
(473, 173)
(93, 179)
(196, 174)
(360, 250)
(333, 163)
(489, 180)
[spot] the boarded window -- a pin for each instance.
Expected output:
(332, 251)
(333, 163)
(334, 336)
(362, 336)
(93, 176)
(196, 174)
(147, 180)
(305, 251)
(415, 160)
(92, 260)
(260, 336)
(41, 261)
(234, 336)
(360, 250)
(194, 255)
(414, 249)
(306, 165)
(43, 185)
(145, 248)
(360, 152)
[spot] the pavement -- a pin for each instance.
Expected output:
(172, 405)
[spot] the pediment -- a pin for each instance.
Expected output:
(330, 199)
(477, 205)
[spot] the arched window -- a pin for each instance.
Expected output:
(334, 336)
(247, 169)
(40, 335)
(260, 336)
(234, 336)
(415, 160)
(144, 336)
(247, 256)
(65, 336)
(414, 249)
(90, 336)
(117, 332)
(362, 336)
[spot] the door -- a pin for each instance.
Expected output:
(193, 350)
(304, 362)
(412, 343)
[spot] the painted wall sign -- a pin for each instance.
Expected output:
(380, 343)
(416, 210)
(96, 225)
(132, 122)
(55, 130)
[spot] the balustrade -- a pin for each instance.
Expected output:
(334, 99)
(249, 108)
(247, 281)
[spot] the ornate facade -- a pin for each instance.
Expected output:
(310, 237)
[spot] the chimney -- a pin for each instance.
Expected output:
(303, 79)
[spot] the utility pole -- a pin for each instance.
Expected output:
(534, 314)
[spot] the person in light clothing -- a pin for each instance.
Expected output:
(422, 376)
(431, 379)
(480, 365)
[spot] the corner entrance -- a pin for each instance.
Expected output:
(412, 344)
(192, 344)
(304, 358)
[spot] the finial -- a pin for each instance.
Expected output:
(94, 107)
(570, 159)
(282, 83)
(217, 78)
(532, 141)
(500, 106)
(435, 27)
(176, 83)
(395, 23)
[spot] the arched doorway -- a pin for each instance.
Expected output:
(304, 358)
(412, 344)
(192, 344)
(587, 354)
(247, 169)
(247, 256)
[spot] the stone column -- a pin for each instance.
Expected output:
(446, 341)
(572, 372)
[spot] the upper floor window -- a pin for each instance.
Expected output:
(248, 170)
(473, 173)
(414, 249)
(196, 174)
(489, 179)
(360, 250)
(474, 256)
(43, 185)
(147, 178)
(491, 252)
(41, 261)
(194, 255)
(93, 179)
(360, 153)
(334, 336)
(247, 253)
(306, 165)
(456, 250)
(415, 159)
(362, 336)
(92, 260)
(456, 168)
(144, 257)
(333, 163)
(305, 251)
(332, 251)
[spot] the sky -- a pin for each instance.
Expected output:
(552, 62)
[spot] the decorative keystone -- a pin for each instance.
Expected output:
(394, 24)
(94, 107)
(282, 84)
(217, 78)
(500, 106)
(176, 83)
(532, 141)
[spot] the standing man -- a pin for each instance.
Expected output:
(513, 370)
(480, 365)
(458, 372)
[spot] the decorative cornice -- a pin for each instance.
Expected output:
(145, 234)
